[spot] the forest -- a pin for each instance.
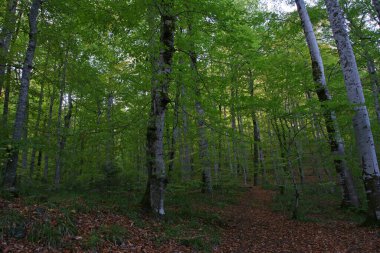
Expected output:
(189, 126)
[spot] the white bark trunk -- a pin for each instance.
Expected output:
(361, 123)
(162, 67)
(350, 197)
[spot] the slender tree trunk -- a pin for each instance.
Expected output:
(60, 145)
(48, 134)
(36, 129)
(174, 135)
(6, 101)
(350, 196)
(186, 153)
(228, 145)
(256, 135)
(6, 37)
(242, 149)
(235, 162)
(204, 156)
(109, 167)
(162, 67)
(361, 123)
(11, 167)
(375, 86)
(25, 149)
(62, 141)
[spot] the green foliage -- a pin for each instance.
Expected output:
(12, 224)
(318, 203)
(113, 233)
(51, 230)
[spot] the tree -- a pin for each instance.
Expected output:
(6, 35)
(162, 67)
(361, 123)
(350, 196)
(11, 166)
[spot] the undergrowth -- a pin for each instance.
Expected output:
(190, 217)
(317, 203)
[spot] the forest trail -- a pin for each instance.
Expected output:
(254, 227)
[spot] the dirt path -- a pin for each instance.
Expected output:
(253, 227)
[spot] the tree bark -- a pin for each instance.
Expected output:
(109, 166)
(25, 149)
(36, 129)
(6, 37)
(256, 136)
(174, 134)
(48, 134)
(235, 162)
(11, 167)
(204, 156)
(162, 67)
(361, 123)
(60, 135)
(375, 85)
(186, 148)
(350, 196)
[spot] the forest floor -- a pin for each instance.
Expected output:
(243, 223)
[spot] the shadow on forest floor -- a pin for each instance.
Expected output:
(232, 219)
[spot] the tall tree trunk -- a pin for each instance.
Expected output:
(186, 152)
(256, 135)
(242, 149)
(7, 80)
(228, 157)
(62, 141)
(25, 149)
(375, 85)
(60, 144)
(162, 68)
(109, 166)
(6, 101)
(361, 123)
(11, 167)
(36, 129)
(204, 156)
(350, 196)
(174, 135)
(48, 134)
(6, 37)
(233, 127)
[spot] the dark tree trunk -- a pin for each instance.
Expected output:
(174, 135)
(202, 134)
(36, 129)
(60, 134)
(109, 166)
(48, 134)
(11, 166)
(6, 37)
